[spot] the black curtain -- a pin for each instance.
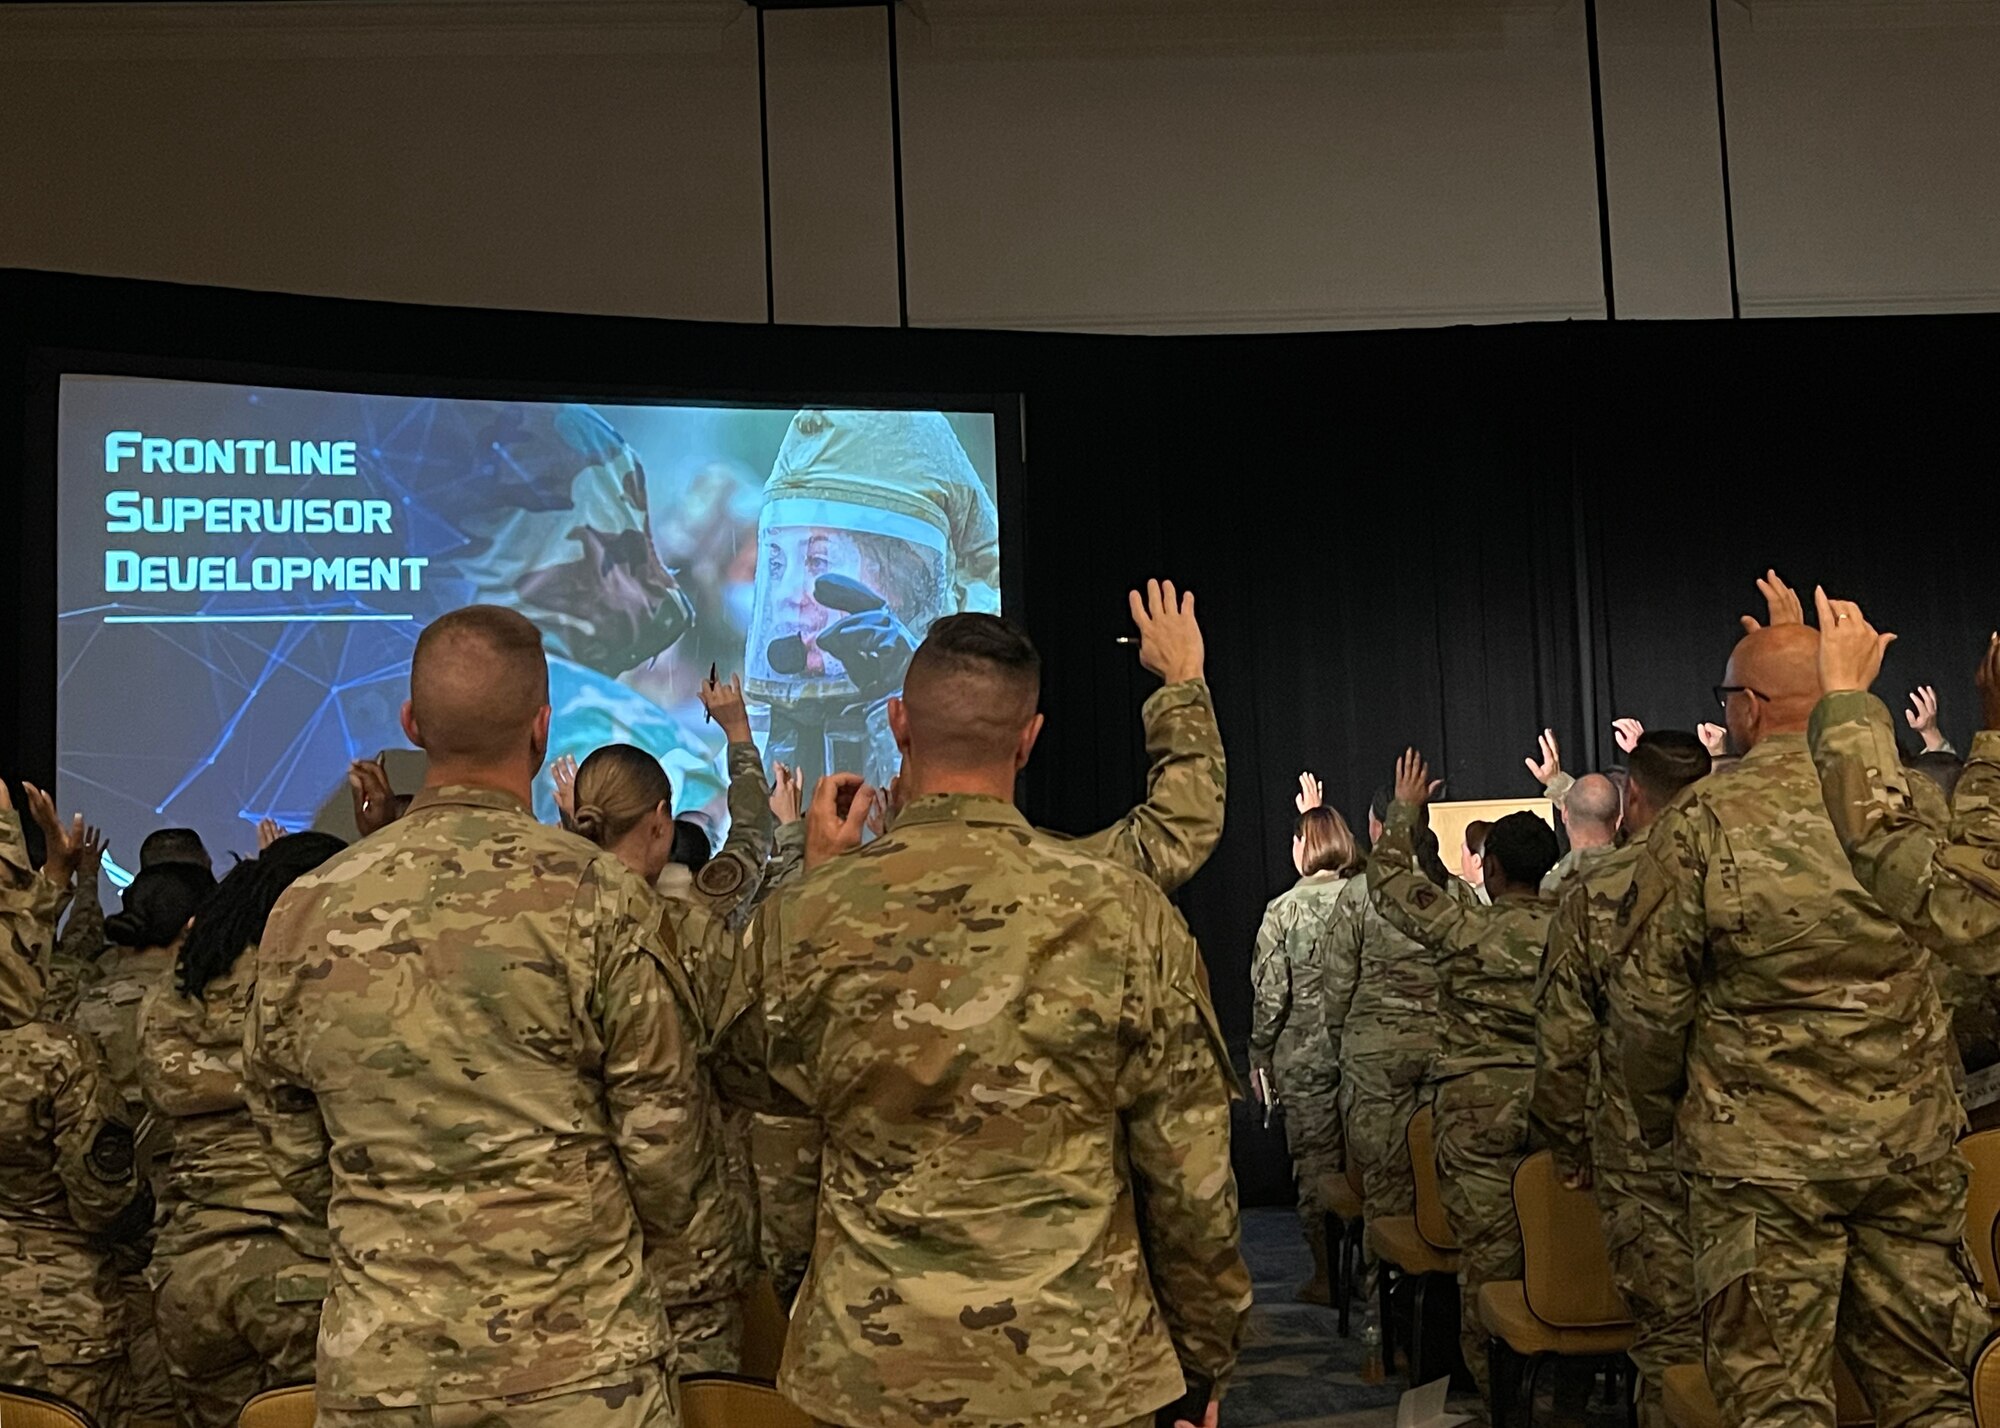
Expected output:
(1449, 538)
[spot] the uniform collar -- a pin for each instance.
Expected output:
(974, 808)
(1775, 748)
(465, 795)
(1324, 875)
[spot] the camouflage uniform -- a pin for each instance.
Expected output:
(1168, 838)
(1796, 1031)
(708, 1332)
(108, 1009)
(69, 1183)
(73, 968)
(1010, 1047)
(1289, 1033)
(1946, 890)
(29, 907)
(473, 1049)
(1382, 1006)
(1583, 1112)
(237, 1271)
(1488, 958)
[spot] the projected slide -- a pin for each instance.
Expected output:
(244, 570)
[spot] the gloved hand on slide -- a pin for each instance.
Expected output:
(872, 645)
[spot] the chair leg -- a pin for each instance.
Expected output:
(1336, 1253)
(1629, 1370)
(1499, 1380)
(1419, 1329)
(1385, 1295)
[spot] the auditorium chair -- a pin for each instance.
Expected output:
(1690, 1403)
(31, 1408)
(1341, 1194)
(1981, 1150)
(727, 1400)
(1986, 1385)
(1419, 1248)
(290, 1407)
(764, 1327)
(1565, 1305)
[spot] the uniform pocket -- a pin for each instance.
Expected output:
(1730, 1256)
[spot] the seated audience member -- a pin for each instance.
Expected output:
(1294, 1054)
(1010, 1045)
(1580, 1109)
(472, 1048)
(1786, 1038)
(145, 936)
(1488, 957)
(70, 1188)
(1472, 859)
(238, 1269)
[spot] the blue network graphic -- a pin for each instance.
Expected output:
(279, 697)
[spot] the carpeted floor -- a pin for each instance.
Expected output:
(1296, 1370)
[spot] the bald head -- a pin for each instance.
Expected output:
(1591, 812)
(479, 688)
(968, 703)
(1777, 670)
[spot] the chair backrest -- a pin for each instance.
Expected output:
(279, 1409)
(1431, 1223)
(1986, 1385)
(1566, 1270)
(1981, 1150)
(291, 1407)
(31, 1408)
(722, 1400)
(764, 1329)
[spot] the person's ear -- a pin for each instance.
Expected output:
(538, 738)
(1032, 732)
(410, 730)
(899, 724)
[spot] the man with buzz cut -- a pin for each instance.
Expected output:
(1026, 1210)
(473, 1050)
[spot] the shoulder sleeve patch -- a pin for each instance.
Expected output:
(111, 1154)
(1628, 903)
(720, 877)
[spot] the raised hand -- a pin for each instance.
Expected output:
(1781, 604)
(1988, 680)
(563, 774)
(784, 793)
(724, 703)
(1309, 795)
(269, 831)
(1414, 784)
(374, 801)
(90, 856)
(837, 817)
(64, 841)
(1627, 733)
(1850, 649)
(1550, 764)
(1714, 738)
(1170, 642)
(1923, 716)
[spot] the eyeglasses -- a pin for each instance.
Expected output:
(1723, 691)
